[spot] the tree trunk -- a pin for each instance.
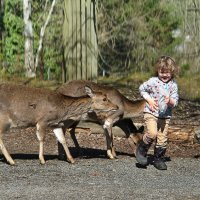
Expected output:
(80, 39)
(28, 34)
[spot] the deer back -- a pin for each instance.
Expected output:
(130, 108)
(25, 106)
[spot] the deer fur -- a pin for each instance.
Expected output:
(22, 106)
(126, 109)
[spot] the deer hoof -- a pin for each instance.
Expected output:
(42, 163)
(110, 155)
(114, 153)
(71, 160)
(12, 163)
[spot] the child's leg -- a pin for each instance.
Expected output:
(151, 128)
(161, 144)
(163, 125)
(149, 136)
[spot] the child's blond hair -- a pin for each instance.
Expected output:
(166, 64)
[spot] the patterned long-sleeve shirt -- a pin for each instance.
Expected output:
(157, 89)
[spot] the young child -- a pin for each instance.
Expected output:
(161, 94)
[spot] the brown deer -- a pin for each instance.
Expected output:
(22, 106)
(126, 109)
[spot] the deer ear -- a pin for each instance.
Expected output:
(89, 91)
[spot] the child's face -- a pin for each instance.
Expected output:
(164, 76)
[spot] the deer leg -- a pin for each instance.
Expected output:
(109, 139)
(5, 126)
(112, 147)
(61, 138)
(135, 134)
(75, 141)
(108, 124)
(73, 136)
(40, 132)
(61, 151)
(5, 153)
(109, 143)
(114, 117)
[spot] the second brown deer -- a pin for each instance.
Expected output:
(126, 109)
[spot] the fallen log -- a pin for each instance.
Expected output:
(94, 128)
(176, 133)
(181, 134)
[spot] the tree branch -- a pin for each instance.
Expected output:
(42, 31)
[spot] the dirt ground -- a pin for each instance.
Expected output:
(23, 143)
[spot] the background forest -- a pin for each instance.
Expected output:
(131, 35)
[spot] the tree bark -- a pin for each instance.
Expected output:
(80, 40)
(28, 44)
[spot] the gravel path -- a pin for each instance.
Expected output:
(95, 177)
(99, 178)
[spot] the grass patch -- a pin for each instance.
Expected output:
(130, 79)
(189, 87)
(53, 84)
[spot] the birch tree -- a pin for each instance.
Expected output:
(28, 43)
(42, 32)
(30, 64)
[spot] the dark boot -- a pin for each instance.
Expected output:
(159, 158)
(141, 153)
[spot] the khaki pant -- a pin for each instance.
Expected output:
(156, 130)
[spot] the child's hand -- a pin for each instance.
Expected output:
(152, 104)
(167, 99)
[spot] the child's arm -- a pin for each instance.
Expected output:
(152, 104)
(144, 90)
(172, 99)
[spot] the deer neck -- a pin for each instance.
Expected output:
(76, 107)
(133, 108)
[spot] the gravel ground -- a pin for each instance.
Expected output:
(99, 178)
(94, 177)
